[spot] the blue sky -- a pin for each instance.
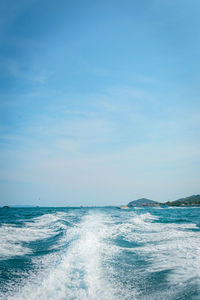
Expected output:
(99, 101)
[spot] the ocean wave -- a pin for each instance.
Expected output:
(13, 238)
(78, 273)
(108, 254)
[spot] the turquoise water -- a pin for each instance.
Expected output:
(99, 253)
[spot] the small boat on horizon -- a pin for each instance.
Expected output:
(124, 207)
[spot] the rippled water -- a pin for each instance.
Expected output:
(99, 253)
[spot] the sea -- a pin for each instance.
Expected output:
(100, 253)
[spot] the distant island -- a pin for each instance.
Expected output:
(193, 200)
(143, 202)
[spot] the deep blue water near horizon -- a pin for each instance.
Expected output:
(100, 253)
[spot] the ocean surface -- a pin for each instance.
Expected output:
(99, 253)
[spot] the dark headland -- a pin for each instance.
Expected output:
(193, 200)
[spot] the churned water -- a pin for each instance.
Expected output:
(99, 253)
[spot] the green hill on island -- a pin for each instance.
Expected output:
(143, 202)
(193, 200)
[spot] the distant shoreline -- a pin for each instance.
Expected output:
(191, 201)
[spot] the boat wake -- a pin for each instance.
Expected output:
(80, 254)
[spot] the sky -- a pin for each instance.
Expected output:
(99, 101)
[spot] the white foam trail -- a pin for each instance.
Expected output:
(174, 248)
(78, 275)
(84, 272)
(170, 246)
(12, 237)
(142, 218)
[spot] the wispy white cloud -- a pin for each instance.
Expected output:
(148, 168)
(107, 145)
